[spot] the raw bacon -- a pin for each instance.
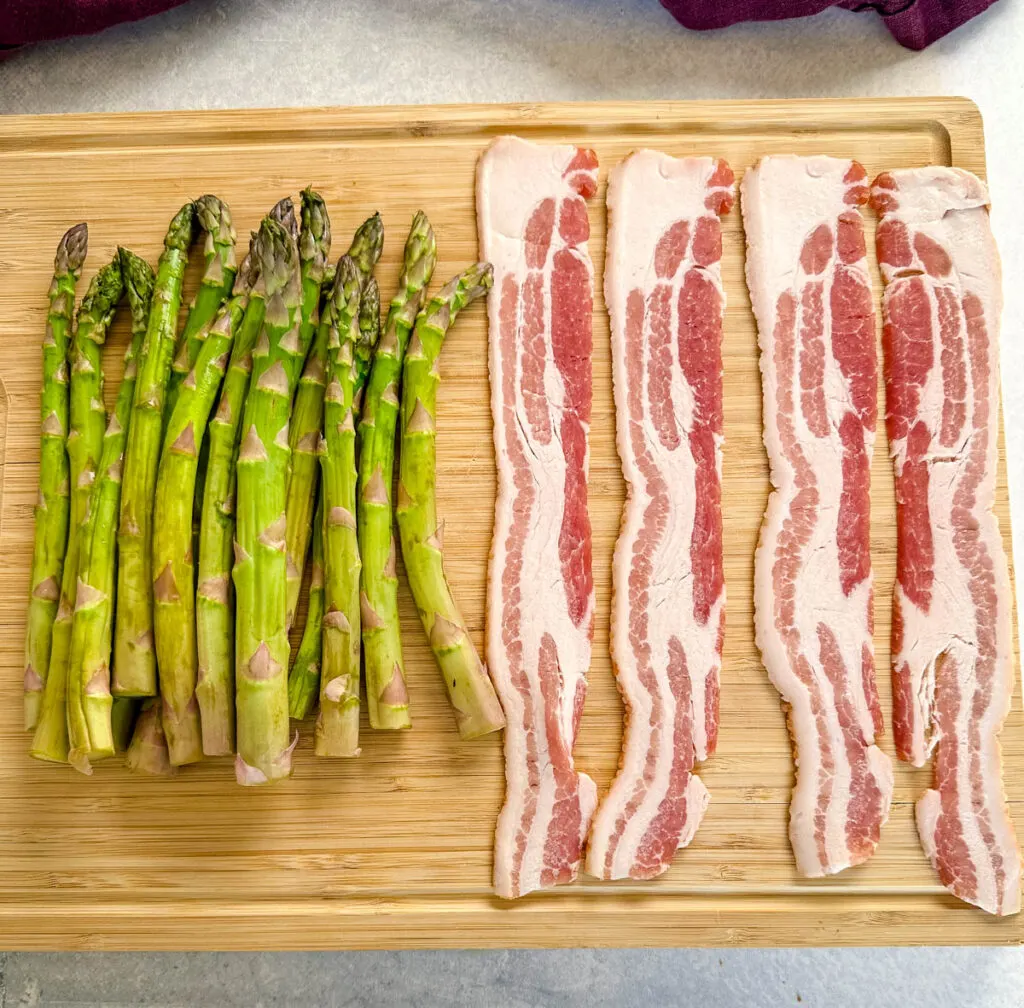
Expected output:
(663, 287)
(808, 281)
(533, 224)
(952, 640)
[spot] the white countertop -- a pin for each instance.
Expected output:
(232, 53)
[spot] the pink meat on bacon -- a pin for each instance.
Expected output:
(809, 286)
(534, 228)
(953, 667)
(663, 287)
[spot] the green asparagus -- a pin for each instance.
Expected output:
(262, 652)
(88, 419)
(214, 219)
(215, 616)
(337, 726)
(307, 421)
(53, 507)
(304, 678)
(386, 693)
(90, 729)
(477, 711)
(307, 412)
(134, 657)
(174, 615)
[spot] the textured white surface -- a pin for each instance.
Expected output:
(224, 53)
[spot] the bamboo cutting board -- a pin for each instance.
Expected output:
(394, 849)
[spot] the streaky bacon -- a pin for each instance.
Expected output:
(663, 288)
(953, 668)
(534, 227)
(809, 286)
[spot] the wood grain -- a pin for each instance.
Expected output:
(394, 849)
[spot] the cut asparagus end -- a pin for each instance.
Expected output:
(337, 732)
(147, 752)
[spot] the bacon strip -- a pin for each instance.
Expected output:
(663, 287)
(952, 639)
(534, 228)
(808, 281)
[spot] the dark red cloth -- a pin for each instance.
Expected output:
(914, 23)
(23, 21)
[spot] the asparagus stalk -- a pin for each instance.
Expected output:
(85, 440)
(90, 728)
(147, 752)
(174, 614)
(366, 345)
(386, 693)
(337, 727)
(477, 711)
(215, 617)
(307, 413)
(134, 657)
(304, 678)
(261, 661)
(214, 219)
(307, 421)
(54, 504)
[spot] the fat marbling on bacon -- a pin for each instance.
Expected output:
(810, 291)
(953, 668)
(663, 288)
(532, 218)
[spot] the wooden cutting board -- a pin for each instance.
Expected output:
(394, 849)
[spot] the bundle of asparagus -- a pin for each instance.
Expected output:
(266, 425)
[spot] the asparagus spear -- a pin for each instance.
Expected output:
(369, 334)
(307, 421)
(307, 413)
(90, 729)
(134, 658)
(304, 678)
(215, 617)
(147, 752)
(261, 661)
(337, 727)
(174, 614)
(214, 219)
(52, 509)
(85, 440)
(477, 711)
(386, 694)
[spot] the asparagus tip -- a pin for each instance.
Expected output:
(368, 243)
(284, 213)
(315, 241)
(214, 217)
(72, 250)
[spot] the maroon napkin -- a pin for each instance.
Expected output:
(23, 21)
(914, 23)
